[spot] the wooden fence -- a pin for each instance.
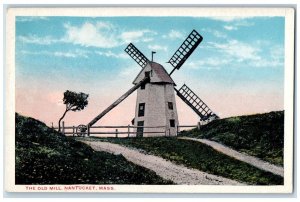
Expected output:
(126, 131)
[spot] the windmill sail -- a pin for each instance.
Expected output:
(185, 50)
(193, 101)
(137, 55)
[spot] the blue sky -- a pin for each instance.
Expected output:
(237, 69)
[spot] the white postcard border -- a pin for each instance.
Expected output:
(288, 13)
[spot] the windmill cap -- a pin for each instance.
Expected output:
(159, 74)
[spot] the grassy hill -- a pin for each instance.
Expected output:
(44, 156)
(260, 135)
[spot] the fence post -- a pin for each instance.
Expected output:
(73, 131)
(165, 130)
(128, 130)
(52, 125)
(88, 130)
(198, 125)
(63, 127)
(116, 133)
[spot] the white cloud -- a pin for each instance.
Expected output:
(100, 35)
(104, 25)
(64, 54)
(236, 25)
(174, 34)
(111, 54)
(147, 39)
(219, 34)
(277, 52)
(256, 54)
(276, 58)
(158, 47)
(88, 34)
(208, 63)
(239, 50)
(72, 54)
(229, 18)
(267, 63)
(131, 36)
(216, 33)
(68, 54)
(33, 39)
(227, 27)
(136, 36)
(244, 23)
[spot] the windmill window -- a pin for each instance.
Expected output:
(147, 74)
(141, 109)
(143, 86)
(172, 122)
(170, 105)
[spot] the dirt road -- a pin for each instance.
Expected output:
(166, 169)
(277, 170)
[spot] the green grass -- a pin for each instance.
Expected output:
(260, 135)
(44, 156)
(200, 156)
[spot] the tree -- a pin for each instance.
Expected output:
(74, 102)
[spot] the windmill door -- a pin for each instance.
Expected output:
(140, 130)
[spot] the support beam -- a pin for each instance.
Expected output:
(118, 101)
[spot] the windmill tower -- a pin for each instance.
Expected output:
(155, 104)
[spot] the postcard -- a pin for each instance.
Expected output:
(149, 100)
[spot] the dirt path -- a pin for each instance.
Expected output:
(278, 170)
(166, 169)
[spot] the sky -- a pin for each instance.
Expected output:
(237, 69)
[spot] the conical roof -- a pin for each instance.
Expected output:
(158, 75)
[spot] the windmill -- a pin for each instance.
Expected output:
(155, 103)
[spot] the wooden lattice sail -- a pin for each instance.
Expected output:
(185, 50)
(194, 102)
(137, 55)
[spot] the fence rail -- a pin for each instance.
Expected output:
(72, 130)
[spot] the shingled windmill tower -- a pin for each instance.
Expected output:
(156, 112)
(155, 103)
